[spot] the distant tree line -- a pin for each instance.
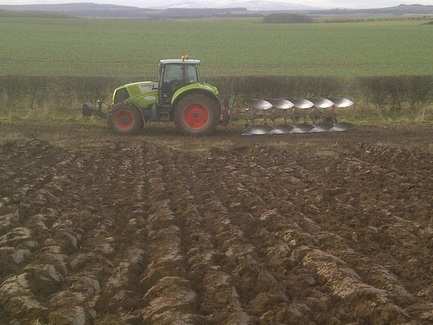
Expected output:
(31, 14)
(286, 18)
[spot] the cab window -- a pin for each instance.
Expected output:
(180, 72)
(173, 72)
(191, 73)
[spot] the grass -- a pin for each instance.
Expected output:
(373, 117)
(49, 117)
(81, 47)
(365, 116)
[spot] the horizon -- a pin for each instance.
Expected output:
(320, 4)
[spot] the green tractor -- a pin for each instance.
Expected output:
(179, 96)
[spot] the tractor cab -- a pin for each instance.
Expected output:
(175, 74)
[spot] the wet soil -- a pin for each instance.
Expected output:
(164, 229)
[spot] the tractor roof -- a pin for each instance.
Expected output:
(179, 61)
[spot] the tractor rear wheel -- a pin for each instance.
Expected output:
(197, 114)
(125, 119)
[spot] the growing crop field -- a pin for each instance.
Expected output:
(58, 46)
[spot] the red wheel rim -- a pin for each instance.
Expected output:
(123, 120)
(196, 116)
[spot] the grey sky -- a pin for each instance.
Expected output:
(317, 3)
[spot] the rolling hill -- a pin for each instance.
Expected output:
(202, 8)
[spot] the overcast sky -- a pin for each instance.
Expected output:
(316, 3)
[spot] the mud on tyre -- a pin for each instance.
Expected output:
(197, 114)
(125, 119)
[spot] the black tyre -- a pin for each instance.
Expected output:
(197, 114)
(125, 119)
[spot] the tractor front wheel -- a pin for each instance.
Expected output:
(197, 114)
(125, 119)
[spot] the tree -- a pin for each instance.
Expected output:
(286, 18)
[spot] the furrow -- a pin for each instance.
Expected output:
(169, 296)
(218, 297)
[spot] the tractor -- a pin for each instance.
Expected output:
(179, 96)
(197, 108)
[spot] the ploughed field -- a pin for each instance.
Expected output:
(137, 230)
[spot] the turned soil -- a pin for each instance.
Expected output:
(164, 229)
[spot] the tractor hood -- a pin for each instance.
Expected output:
(202, 86)
(138, 88)
(141, 94)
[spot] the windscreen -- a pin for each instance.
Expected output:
(181, 72)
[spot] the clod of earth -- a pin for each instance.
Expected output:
(150, 234)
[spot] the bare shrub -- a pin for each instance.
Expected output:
(409, 95)
(286, 18)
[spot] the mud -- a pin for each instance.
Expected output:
(169, 230)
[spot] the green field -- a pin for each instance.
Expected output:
(78, 47)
